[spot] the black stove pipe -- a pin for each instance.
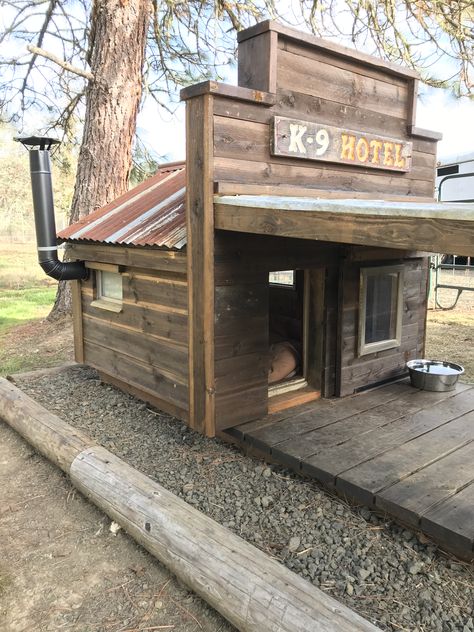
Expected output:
(41, 186)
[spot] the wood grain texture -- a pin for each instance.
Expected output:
(237, 188)
(333, 461)
(146, 395)
(332, 177)
(396, 465)
(452, 522)
(252, 591)
(227, 91)
(405, 233)
(235, 139)
(144, 346)
(417, 494)
(328, 412)
(200, 256)
(291, 103)
(313, 42)
(143, 257)
(320, 79)
(257, 61)
(143, 317)
(163, 356)
(137, 373)
(77, 321)
(49, 434)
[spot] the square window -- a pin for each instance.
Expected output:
(108, 290)
(380, 308)
(109, 285)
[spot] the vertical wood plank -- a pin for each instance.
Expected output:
(257, 59)
(412, 102)
(77, 322)
(200, 251)
(315, 325)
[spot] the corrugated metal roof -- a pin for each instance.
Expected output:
(151, 214)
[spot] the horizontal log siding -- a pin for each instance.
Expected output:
(145, 346)
(357, 372)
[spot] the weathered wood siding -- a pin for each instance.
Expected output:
(242, 265)
(356, 372)
(145, 346)
(320, 87)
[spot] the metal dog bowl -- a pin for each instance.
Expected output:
(434, 375)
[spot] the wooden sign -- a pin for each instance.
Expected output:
(315, 141)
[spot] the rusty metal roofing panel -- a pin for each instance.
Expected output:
(151, 214)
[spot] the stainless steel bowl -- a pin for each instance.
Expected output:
(434, 375)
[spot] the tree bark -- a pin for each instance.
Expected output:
(116, 56)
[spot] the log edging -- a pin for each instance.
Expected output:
(250, 589)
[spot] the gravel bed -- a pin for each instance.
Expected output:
(391, 576)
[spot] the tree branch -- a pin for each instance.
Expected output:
(60, 62)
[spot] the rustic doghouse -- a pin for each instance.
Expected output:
(299, 224)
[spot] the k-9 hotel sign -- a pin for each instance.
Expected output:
(314, 141)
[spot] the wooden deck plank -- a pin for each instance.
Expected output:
(324, 413)
(365, 480)
(407, 452)
(416, 495)
(342, 430)
(326, 465)
(452, 522)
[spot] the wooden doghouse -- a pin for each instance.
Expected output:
(300, 221)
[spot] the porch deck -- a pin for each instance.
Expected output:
(402, 451)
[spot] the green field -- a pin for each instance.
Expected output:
(26, 293)
(26, 297)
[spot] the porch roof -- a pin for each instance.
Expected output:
(446, 227)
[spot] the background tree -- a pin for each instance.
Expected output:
(86, 65)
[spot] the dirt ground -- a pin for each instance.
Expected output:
(37, 344)
(62, 569)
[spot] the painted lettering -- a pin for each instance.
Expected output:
(296, 138)
(312, 140)
(347, 147)
(376, 146)
(388, 154)
(322, 138)
(399, 159)
(362, 149)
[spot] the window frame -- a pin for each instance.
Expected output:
(101, 301)
(286, 286)
(389, 343)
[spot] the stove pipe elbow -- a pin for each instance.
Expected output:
(45, 225)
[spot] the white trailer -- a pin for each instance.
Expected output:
(455, 179)
(454, 183)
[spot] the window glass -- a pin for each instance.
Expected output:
(283, 277)
(380, 308)
(110, 285)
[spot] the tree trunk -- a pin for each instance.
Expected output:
(116, 56)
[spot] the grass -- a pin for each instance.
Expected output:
(26, 298)
(20, 306)
(19, 268)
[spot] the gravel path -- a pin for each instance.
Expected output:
(389, 575)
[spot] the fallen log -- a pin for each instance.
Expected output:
(250, 589)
